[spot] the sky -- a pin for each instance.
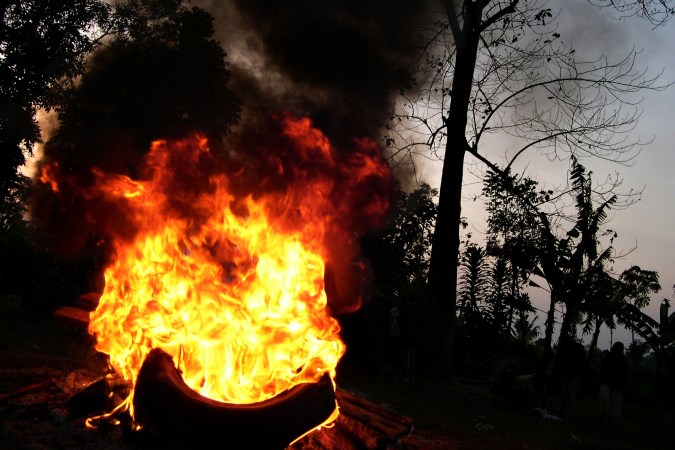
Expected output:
(646, 230)
(339, 63)
(333, 61)
(302, 59)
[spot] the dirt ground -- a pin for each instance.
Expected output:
(57, 361)
(466, 416)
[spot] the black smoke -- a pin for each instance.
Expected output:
(338, 62)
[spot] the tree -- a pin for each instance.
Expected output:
(574, 261)
(494, 66)
(399, 253)
(517, 215)
(43, 49)
(583, 263)
(615, 300)
(399, 257)
(161, 74)
(511, 235)
(658, 335)
(43, 46)
(473, 280)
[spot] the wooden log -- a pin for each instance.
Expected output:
(88, 301)
(336, 437)
(390, 425)
(27, 389)
(362, 425)
(166, 406)
(78, 315)
(73, 316)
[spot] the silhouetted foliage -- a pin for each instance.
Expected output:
(493, 309)
(473, 280)
(499, 66)
(164, 77)
(572, 261)
(161, 75)
(477, 337)
(399, 257)
(43, 45)
(119, 75)
(400, 252)
(43, 49)
(658, 335)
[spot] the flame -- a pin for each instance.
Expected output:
(231, 286)
(48, 175)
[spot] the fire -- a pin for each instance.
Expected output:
(240, 308)
(232, 286)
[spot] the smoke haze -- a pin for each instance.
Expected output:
(339, 63)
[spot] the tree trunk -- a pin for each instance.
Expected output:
(568, 325)
(548, 332)
(594, 339)
(445, 244)
(443, 262)
(514, 291)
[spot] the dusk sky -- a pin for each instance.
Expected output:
(231, 197)
(647, 228)
(644, 229)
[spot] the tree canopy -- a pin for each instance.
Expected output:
(161, 74)
(43, 48)
(118, 75)
(497, 67)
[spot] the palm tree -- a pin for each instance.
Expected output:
(524, 329)
(584, 264)
(637, 284)
(473, 281)
(571, 264)
(602, 306)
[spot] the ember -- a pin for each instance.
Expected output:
(234, 287)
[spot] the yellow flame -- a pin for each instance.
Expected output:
(238, 304)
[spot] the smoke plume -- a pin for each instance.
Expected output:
(339, 63)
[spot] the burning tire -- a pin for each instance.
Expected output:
(165, 405)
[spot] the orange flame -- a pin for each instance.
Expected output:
(232, 287)
(48, 176)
